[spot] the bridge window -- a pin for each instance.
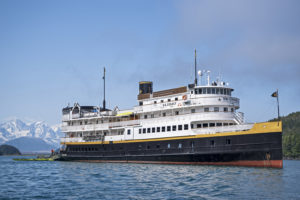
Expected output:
(219, 124)
(217, 90)
(206, 109)
(168, 128)
(221, 90)
(208, 90)
(199, 125)
(225, 124)
(148, 130)
(196, 91)
(169, 100)
(153, 130)
(200, 91)
(144, 130)
(176, 112)
(128, 132)
(155, 102)
(205, 125)
(140, 131)
(232, 109)
(152, 115)
(216, 109)
(225, 109)
(204, 90)
(193, 110)
(161, 101)
(176, 99)
(163, 129)
(213, 90)
(158, 129)
(164, 114)
(141, 103)
(192, 126)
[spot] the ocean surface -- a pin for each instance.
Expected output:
(75, 180)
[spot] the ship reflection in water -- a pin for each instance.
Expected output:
(81, 180)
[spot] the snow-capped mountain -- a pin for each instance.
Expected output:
(16, 128)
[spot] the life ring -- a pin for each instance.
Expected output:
(184, 97)
(179, 105)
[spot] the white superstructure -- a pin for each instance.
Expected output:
(183, 111)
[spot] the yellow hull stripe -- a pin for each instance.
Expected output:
(258, 128)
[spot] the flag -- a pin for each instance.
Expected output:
(275, 94)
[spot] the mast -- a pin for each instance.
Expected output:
(104, 108)
(196, 82)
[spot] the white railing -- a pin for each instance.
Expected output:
(221, 129)
(239, 117)
(191, 117)
(124, 123)
(93, 127)
(71, 139)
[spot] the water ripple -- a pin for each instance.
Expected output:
(75, 180)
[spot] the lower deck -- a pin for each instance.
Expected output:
(264, 149)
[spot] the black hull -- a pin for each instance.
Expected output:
(260, 150)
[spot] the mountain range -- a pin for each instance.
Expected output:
(30, 136)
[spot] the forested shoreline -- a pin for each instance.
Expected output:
(291, 135)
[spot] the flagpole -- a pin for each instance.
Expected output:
(278, 105)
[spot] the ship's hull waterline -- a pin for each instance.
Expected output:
(253, 150)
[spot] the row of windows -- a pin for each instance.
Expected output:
(222, 91)
(206, 125)
(168, 128)
(164, 129)
(206, 109)
(212, 143)
(161, 101)
(169, 100)
(217, 109)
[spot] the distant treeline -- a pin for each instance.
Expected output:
(291, 135)
(8, 150)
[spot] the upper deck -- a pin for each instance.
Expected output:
(212, 97)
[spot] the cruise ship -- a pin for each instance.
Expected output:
(195, 124)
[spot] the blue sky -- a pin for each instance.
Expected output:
(52, 52)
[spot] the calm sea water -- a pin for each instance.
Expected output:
(75, 180)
